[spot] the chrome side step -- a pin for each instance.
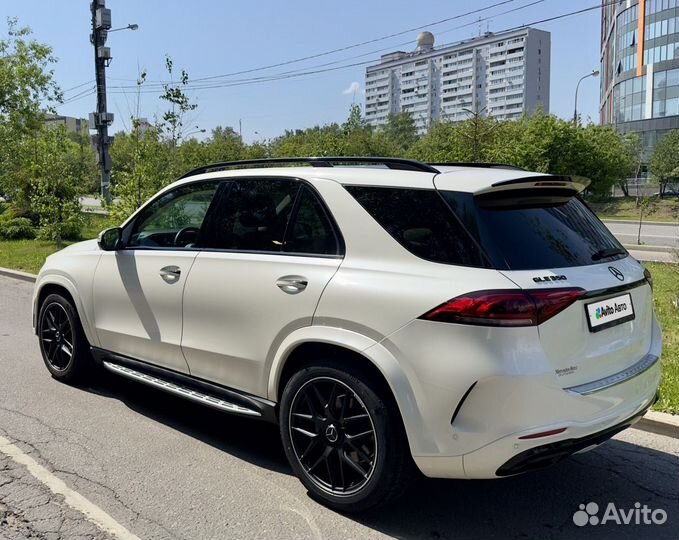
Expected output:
(179, 390)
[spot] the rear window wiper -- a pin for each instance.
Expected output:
(608, 252)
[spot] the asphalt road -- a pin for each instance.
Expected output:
(652, 234)
(165, 468)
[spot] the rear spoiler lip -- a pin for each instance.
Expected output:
(576, 184)
(547, 179)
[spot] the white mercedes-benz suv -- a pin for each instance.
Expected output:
(469, 321)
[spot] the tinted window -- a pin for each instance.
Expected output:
(535, 236)
(311, 230)
(173, 220)
(420, 221)
(253, 215)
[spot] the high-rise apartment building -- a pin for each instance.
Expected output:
(503, 75)
(640, 67)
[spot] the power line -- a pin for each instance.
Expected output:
(79, 95)
(78, 86)
(296, 74)
(352, 46)
(361, 44)
(192, 82)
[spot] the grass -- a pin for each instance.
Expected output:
(29, 255)
(666, 293)
(666, 210)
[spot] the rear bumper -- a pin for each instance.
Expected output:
(549, 454)
(588, 419)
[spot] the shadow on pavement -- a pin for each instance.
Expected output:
(536, 505)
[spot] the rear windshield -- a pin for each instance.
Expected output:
(455, 228)
(540, 236)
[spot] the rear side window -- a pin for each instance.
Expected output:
(420, 221)
(254, 215)
(536, 236)
(271, 215)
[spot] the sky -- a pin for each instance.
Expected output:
(209, 38)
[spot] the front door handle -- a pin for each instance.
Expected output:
(292, 284)
(170, 274)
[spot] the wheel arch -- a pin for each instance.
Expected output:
(363, 353)
(60, 285)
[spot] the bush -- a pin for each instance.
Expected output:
(17, 228)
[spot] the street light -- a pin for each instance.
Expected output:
(194, 132)
(595, 73)
(128, 27)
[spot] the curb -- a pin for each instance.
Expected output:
(18, 274)
(636, 222)
(652, 422)
(659, 423)
(646, 247)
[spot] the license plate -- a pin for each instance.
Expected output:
(606, 313)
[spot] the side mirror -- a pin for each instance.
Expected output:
(110, 239)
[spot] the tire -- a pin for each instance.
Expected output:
(63, 344)
(326, 410)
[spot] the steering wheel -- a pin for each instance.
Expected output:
(180, 241)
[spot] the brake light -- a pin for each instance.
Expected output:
(649, 277)
(505, 307)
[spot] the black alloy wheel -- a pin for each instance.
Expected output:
(56, 337)
(343, 435)
(333, 436)
(63, 344)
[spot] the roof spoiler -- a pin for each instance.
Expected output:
(531, 192)
(563, 184)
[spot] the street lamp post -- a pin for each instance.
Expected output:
(128, 27)
(595, 73)
(102, 119)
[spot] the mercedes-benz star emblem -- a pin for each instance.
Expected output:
(617, 273)
(331, 433)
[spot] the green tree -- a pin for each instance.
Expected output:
(141, 166)
(180, 104)
(401, 130)
(224, 144)
(56, 186)
(27, 89)
(473, 140)
(353, 138)
(607, 158)
(664, 164)
(26, 78)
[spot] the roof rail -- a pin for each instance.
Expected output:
(400, 164)
(478, 165)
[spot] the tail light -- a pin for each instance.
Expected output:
(649, 277)
(505, 307)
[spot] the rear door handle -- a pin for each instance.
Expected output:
(170, 274)
(292, 284)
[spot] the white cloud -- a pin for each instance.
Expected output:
(353, 88)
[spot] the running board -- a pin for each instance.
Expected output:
(180, 390)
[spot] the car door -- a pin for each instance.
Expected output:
(138, 289)
(273, 249)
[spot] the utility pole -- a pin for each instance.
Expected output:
(101, 119)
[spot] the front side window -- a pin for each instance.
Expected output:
(173, 220)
